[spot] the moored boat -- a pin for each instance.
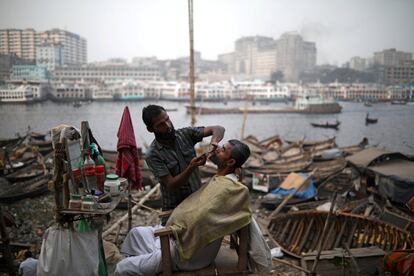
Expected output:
(25, 189)
(300, 232)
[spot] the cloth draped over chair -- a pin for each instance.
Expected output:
(217, 209)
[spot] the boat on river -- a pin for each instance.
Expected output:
(327, 125)
(369, 120)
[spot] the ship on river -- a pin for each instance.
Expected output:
(306, 104)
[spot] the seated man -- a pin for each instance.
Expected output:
(218, 208)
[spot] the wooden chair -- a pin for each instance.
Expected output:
(238, 241)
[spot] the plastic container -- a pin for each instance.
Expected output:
(100, 177)
(88, 203)
(123, 182)
(112, 185)
(75, 202)
(89, 172)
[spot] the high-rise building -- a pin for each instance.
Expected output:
(294, 55)
(358, 64)
(24, 43)
(391, 57)
(74, 46)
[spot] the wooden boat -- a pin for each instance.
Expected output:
(37, 135)
(315, 145)
(25, 174)
(349, 150)
(327, 168)
(369, 120)
(25, 189)
(11, 141)
(300, 232)
(44, 147)
(367, 104)
(327, 125)
(274, 168)
(397, 102)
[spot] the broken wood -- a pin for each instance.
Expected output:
(133, 210)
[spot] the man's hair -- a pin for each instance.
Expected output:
(149, 112)
(28, 254)
(240, 152)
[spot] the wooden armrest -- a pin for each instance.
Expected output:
(165, 214)
(163, 232)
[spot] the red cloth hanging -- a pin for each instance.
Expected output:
(127, 162)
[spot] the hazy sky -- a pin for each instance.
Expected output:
(128, 28)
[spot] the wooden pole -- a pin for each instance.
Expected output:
(323, 240)
(6, 244)
(281, 205)
(291, 265)
(136, 207)
(129, 207)
(191, 74)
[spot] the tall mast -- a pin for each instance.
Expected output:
(192, 97)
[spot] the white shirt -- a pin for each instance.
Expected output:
(28, 267)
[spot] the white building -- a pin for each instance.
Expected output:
(50, 56)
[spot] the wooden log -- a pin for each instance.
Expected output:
(134, 209)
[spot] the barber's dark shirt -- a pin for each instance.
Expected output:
(164, 160)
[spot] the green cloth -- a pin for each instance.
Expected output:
(217, 209)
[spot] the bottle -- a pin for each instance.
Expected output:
(89, 172)
(100, 177)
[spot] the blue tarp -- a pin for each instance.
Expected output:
(308, 193)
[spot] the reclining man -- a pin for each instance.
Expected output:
(217, 209)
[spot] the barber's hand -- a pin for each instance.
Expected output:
(211, 149)
(198, 161)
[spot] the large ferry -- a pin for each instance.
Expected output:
(314, 103)
(21, 94)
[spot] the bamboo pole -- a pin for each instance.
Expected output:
(291, 265)
(191, 75)
(134, 209)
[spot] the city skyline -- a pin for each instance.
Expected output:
(130, 29)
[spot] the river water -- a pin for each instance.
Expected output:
(394, 130)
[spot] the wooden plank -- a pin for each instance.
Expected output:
(305, 237)
(281, 237)
(166, 257)
(341, 232)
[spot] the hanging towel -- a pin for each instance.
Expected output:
(127, 162)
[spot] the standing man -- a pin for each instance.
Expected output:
(172, 157)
